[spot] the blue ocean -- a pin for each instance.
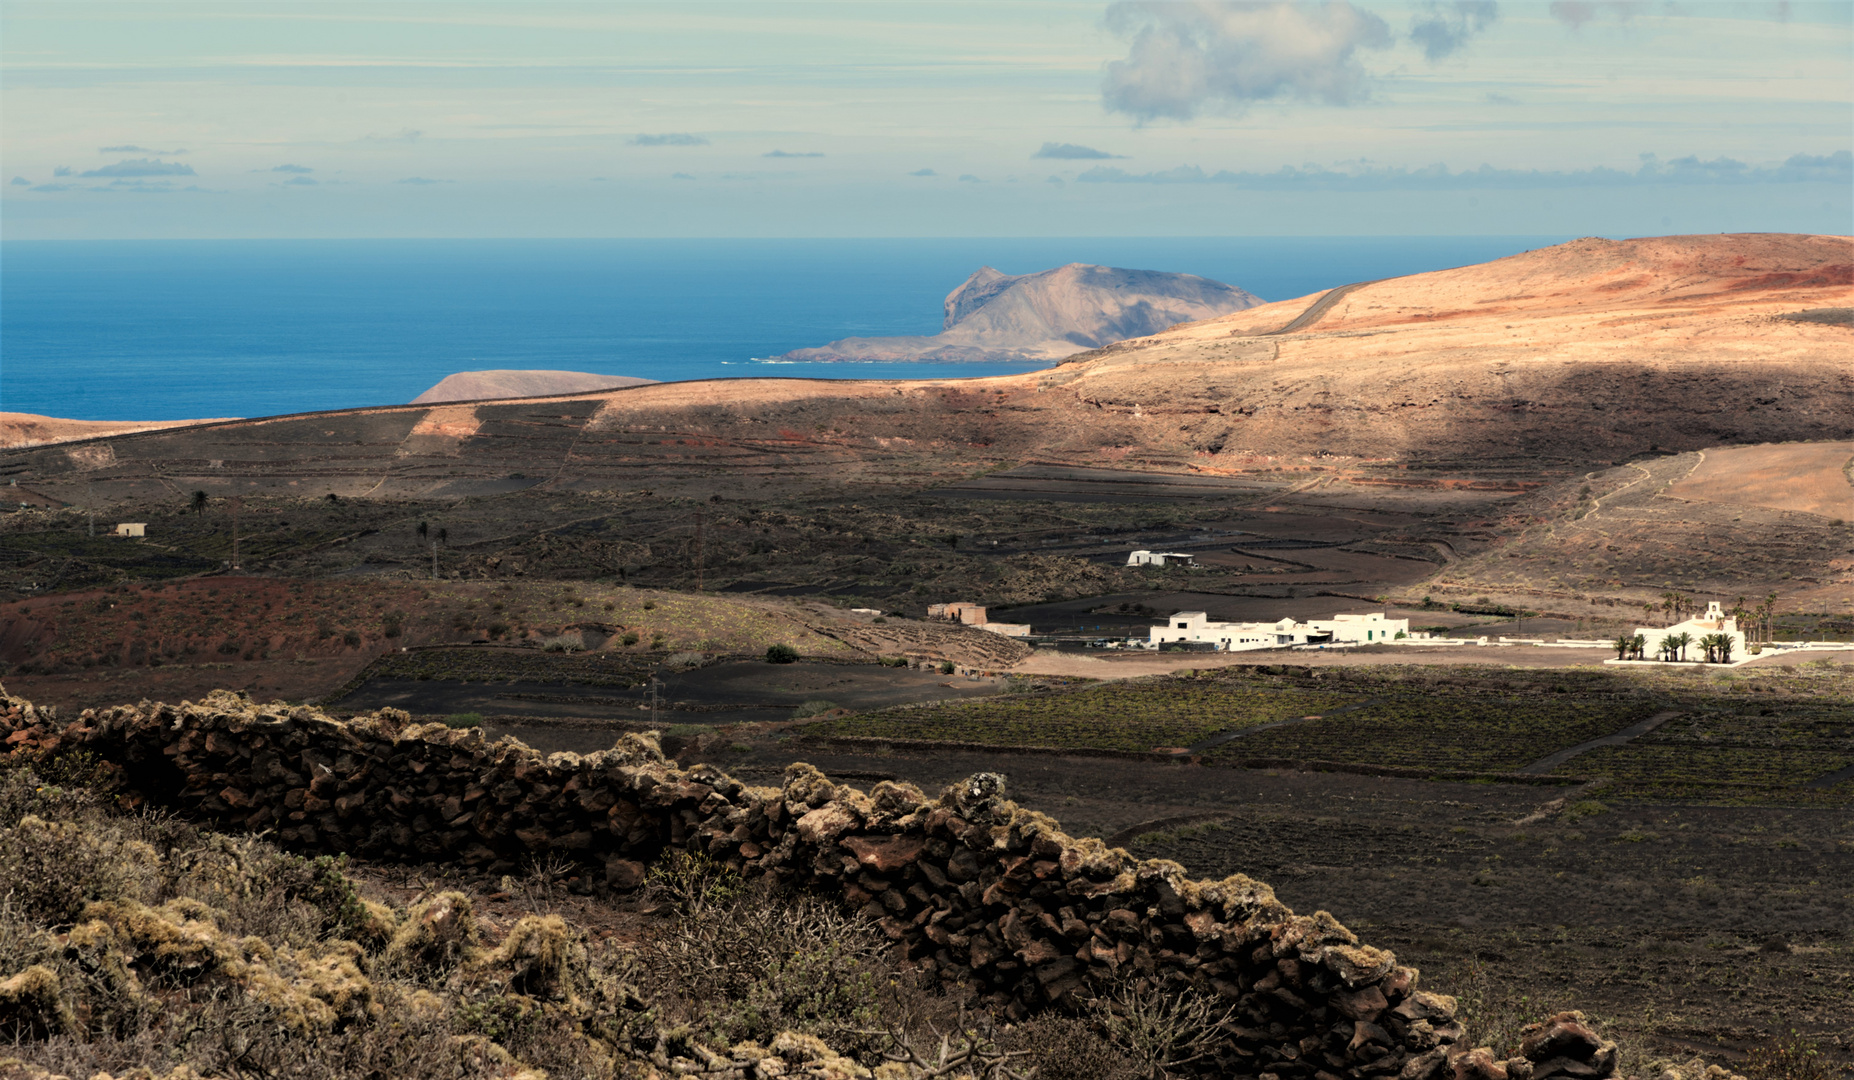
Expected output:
(165, 330)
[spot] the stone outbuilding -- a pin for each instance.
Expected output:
(969, 614)
(132, 528)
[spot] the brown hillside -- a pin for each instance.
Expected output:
(1582, 354)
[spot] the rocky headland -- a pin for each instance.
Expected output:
(1049, 315)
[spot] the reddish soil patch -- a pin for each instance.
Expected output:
(1808, 478)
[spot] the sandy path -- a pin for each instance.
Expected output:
(1131, 665)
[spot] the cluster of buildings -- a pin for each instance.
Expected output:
(1194, 628)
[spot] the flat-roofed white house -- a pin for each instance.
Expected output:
(1715, 621)
(1142, 557)
(1196, 628)
(132, 528)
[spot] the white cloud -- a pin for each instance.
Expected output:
(140, 167)
(672, 138)
(1190, 55)
(1072, 152)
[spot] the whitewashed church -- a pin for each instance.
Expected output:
(1715, 621)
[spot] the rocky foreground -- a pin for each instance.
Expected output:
(977, 891)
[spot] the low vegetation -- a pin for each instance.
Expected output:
(136, 940)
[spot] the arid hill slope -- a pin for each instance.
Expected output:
(482, 385)
(19, 429)
(1563, 359)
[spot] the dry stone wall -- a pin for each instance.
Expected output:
(978, 890)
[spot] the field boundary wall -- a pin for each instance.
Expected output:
(977, 890)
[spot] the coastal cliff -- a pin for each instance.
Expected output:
(1049, 315)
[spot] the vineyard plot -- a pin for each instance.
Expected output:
(1468, 734)
(1774, 754)
(1164, 713)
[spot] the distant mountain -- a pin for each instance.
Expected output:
(1049, 315)
(485, 385)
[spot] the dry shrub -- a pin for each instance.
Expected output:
(53, 868)
(1069, 1048)
(32, 1006)
(1792, 1058)
(437, 935)
(1158, 1030)
(545, 958)
(746, 962)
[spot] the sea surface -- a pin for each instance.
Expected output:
(168, 330)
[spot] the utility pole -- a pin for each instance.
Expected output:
(698, 551)
(237, 502)
(90, 502)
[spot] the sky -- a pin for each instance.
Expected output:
(770, 119)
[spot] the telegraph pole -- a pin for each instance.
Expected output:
(698, 551)
(237, 502)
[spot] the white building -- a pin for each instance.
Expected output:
(1195, 627)
(132, 528)
(1142, 557)
(1715, 621)
(1008, 629)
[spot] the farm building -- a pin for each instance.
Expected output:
(1143, 557)
(1715, 621)
(132, 528)
(1195, 627)
(969, 614)
(1008, 629)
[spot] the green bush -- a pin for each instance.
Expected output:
(464, 720)
(629, 638)
(781, 653)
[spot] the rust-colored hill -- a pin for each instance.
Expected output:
(1561, 359)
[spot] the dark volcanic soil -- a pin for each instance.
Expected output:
(1683, 926)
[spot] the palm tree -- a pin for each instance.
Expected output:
(1710, 643)
(1638, 645)
(1680, 642)
(199, 502)
(1725, 648)
(1623, 644)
